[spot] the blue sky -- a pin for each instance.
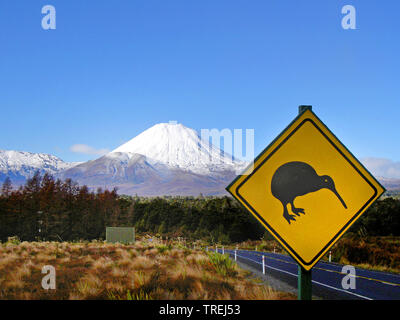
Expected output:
(112, 69)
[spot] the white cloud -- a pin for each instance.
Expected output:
(382, 167)
(85, 149)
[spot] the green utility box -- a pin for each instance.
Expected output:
(123, 235)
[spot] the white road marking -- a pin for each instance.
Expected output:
(316, 282)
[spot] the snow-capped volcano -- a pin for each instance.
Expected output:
(166, 159)
(179, 147)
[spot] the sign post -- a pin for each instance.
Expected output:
(304, 284)
(307, 189)
(304, 278)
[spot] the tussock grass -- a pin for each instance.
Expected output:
(222, 264)
(141, 271)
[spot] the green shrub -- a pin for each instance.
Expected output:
(223, 264)
(163, 248)
(13, 240)
(141, 295)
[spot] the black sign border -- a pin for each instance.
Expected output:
(352, 220)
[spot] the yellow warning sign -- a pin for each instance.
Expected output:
(306, 189)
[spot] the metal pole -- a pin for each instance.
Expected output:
(223, 250)
(235, 256)
(330, 256)
(263, 264)
(304, 284)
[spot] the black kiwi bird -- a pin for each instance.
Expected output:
(295, 179)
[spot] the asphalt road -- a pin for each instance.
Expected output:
(326, 277)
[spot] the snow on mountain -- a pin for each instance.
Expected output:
(166, 159)
(19, 165)
(115, 168)
(136, 174)
(181, 148)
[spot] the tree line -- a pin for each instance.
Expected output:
(49, 209)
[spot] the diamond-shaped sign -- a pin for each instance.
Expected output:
(306, 189)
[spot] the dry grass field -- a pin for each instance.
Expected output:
(142, 271)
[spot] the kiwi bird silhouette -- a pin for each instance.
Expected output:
(294, 179)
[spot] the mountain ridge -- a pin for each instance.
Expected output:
(166, 159)
(21, 165)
